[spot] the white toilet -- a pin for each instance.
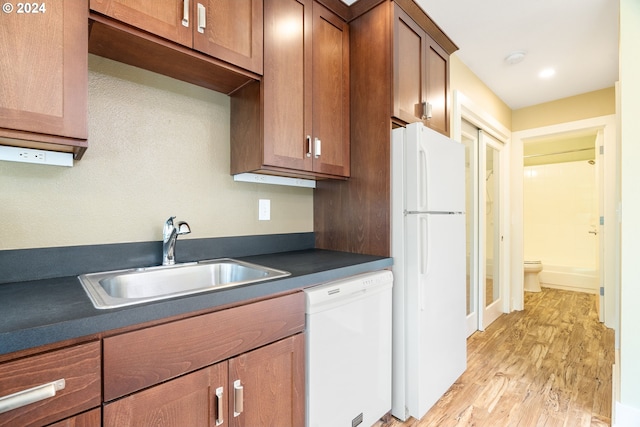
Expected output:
(531, 279)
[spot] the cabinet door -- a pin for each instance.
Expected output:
(197, 399)
(165, 18)
(91, 418)
(231, 30)
(287, 84)
(437, 87)
(44, 69)
(409, 67)
(268, 385)
(330, 93)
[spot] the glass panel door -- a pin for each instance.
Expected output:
(470, 142)
(484, 227)
(490, 215)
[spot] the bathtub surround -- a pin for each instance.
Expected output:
(560, 214)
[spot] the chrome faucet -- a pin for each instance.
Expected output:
(170, 234)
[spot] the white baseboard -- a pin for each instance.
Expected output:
(569, 288)
(626, 416)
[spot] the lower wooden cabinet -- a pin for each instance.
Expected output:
(264, 387)
(91, 418)
(190, 400)
(49, 387)
(272, 383)
(242, 366)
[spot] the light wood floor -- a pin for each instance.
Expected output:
(549, 365)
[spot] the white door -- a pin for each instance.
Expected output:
(484, 238)
(470, 141)
(490, 229)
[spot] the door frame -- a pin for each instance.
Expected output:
(464, 108)
(610, 280)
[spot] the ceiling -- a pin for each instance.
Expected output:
(577, 38)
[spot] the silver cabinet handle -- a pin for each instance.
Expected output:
(308, 145)
(29, 396)
(185, 13)
(220, 414)
(202, 18)
(238, 398)
(427, 111)
(318, 147)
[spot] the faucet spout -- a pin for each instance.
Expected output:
(170, 235)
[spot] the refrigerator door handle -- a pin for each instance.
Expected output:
(424, 258)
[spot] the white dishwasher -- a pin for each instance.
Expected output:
(348, 351)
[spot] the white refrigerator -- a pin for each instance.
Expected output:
(428, 247)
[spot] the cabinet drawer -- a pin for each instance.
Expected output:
(78, 366)
(139, 359)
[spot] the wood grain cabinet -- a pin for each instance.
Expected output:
(263, 387)
(296, 121)
(43, 89)
(243, 366)
(56, 386)
(420, 75)
(399, 59)
(230, 30)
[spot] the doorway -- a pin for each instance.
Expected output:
(607, 224)
(485, 236)
(561, 209)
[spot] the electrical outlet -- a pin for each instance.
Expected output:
(264, 210)
(29, 155)
(32, 156)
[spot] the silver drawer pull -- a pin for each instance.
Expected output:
(318, 147)
(29, 396)
(202, 18)
(427, 111)
(220, 415)
(238, 398)
(185, 13)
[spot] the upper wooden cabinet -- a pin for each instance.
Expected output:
(296, 121)
(420, 75)
(399, 59)
(43, 88)
(230, 30)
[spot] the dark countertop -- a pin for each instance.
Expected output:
(41, 312)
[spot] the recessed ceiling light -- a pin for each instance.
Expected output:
(547, 73)
(515, 57)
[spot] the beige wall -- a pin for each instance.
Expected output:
(592, 104)
(157, 147)
(465, 81)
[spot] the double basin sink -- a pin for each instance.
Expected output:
(121, 288)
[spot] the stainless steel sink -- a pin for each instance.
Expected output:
(135, 286)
